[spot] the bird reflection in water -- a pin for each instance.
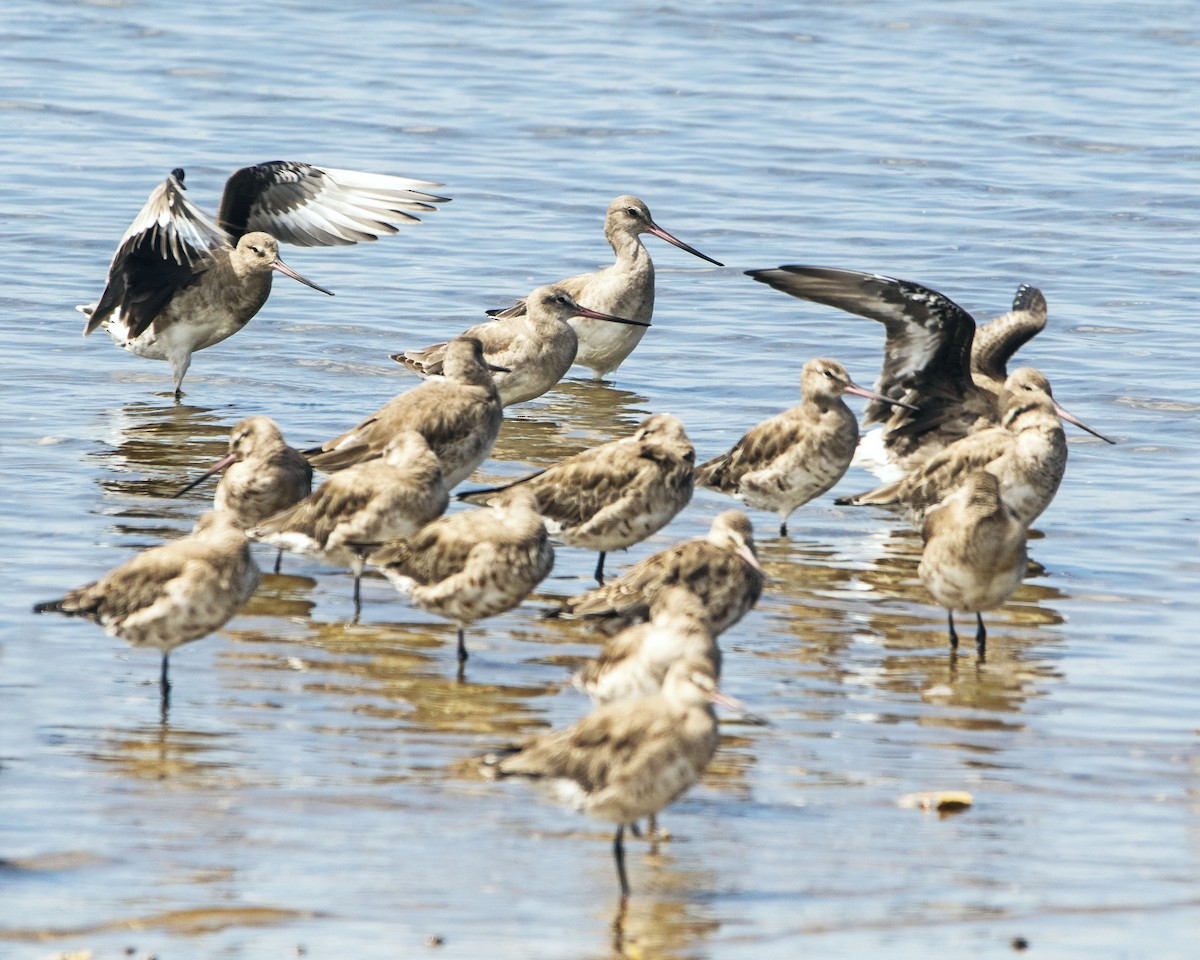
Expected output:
(665, 920)
(395, 672)
(865, 620)
(196, 759)
(148, 447)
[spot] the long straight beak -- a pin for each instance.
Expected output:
(215, 468)
(597, 315)
(289, 272)
(739, 708)
(748, 555)
(662, 234)
(1070, 418)
(858, 391)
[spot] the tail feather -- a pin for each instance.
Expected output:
(886, 495)
(712, 473)
(489, 763)
(68, 606)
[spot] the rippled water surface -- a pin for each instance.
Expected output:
(311, 789)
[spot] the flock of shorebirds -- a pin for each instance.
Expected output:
(973, 453)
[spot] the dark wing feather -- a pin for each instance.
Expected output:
(167, 247)
(319, 206)
(507, 313)
(929, 336)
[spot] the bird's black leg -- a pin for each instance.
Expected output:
(980, 636)
(783, 529)
(164, 690)
(278, 560)
(600, 569)
(462, 647)
(953, 635)
(619, 856)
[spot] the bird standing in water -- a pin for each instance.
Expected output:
(262, 475)
(627, 760)
(797, 455)
(615, 495)
(975, 552)
(171, 594)
(181, 282)
(530, 352)
(624, 288)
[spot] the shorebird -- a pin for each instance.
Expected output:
(181, 282)
(459, 417)
(797, 455)
(471, 565)
(630, 759)
(634, 662)
(615, 495)
(720, 568)
(534, 349)
(1027, 453)
(171, 594)
(262, 475)
(368, 503)
(624, 288)
(928, 360)
(975, 554)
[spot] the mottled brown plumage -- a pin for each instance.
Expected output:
(262, 474)
(364, 505)
(630, 759)
(634, 662)
(934, 359)
(720, 568)
(797, 455)
(473, 564)
(927, 360)
(975, 553)
(1027, 452)
(615, 495)
(459, 417)
(171, 594)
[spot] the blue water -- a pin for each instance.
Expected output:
(311, 788)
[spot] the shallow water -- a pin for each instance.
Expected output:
(311, 787)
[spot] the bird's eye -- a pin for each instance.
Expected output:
(634, 212)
